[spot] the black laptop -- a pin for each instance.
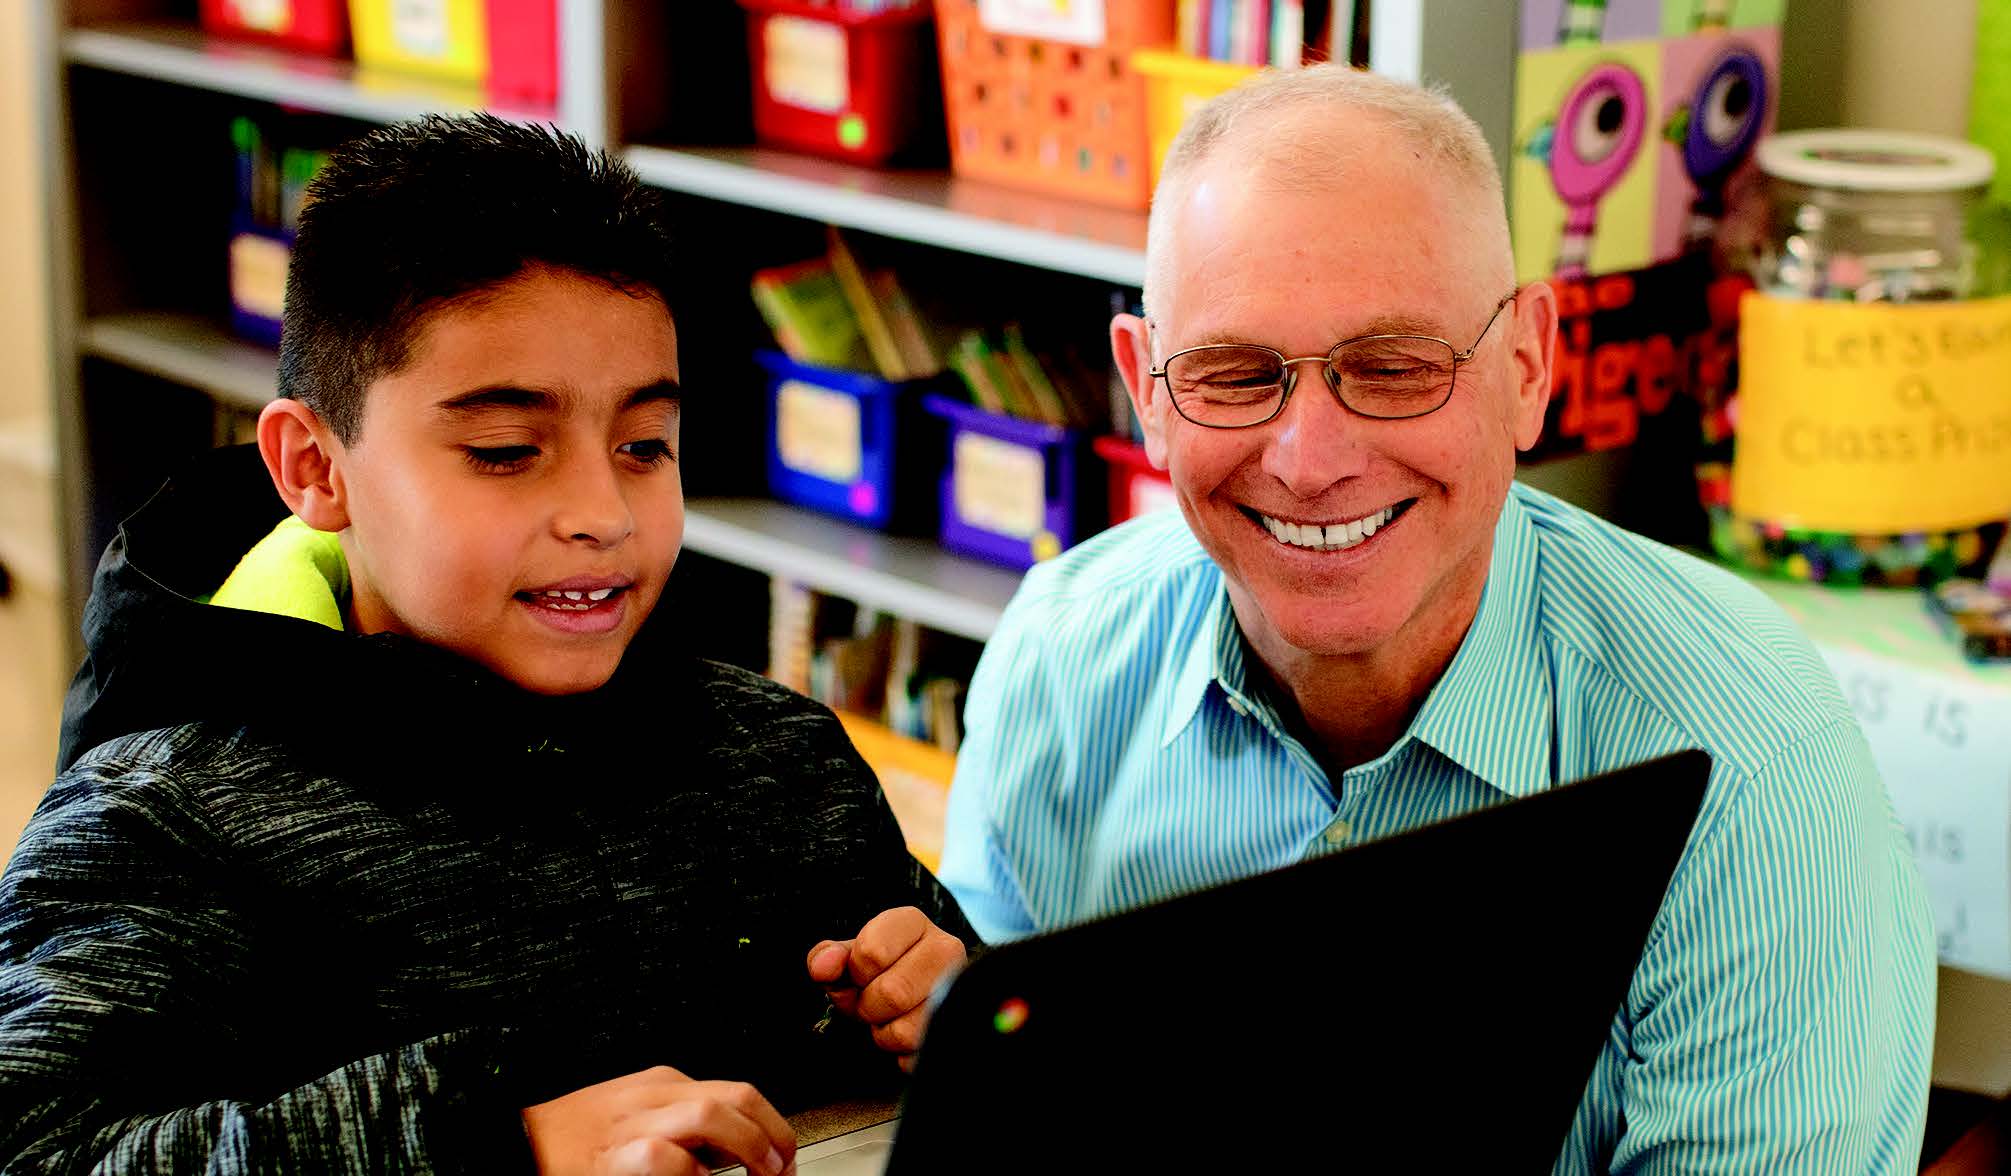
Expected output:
(1431, 1002)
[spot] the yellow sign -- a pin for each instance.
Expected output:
(1873, 419)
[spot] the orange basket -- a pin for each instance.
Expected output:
(1056, 115)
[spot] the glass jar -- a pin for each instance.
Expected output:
(1863, 216)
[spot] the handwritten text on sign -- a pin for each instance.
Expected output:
(1874, 419)
(1944, 750)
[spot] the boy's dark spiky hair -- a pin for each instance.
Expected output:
(415, 215)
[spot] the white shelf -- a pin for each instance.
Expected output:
(188, 350)
(931, 207)
(908, 577)
(187, 57)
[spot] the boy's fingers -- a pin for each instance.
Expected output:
(907, 984)
(827, 961)
(650, 1156)
(744, 1098)
(903, 1035)
(885, 939)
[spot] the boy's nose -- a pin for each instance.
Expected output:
(1315, 441)
(594, 509)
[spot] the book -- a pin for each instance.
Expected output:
(911, 331)
(1045, 398)
(1256, 32)
(1288, 33)
(886, 354)
(1218, 29)
(812, 318)
(1190, 27)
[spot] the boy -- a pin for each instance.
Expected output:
(415, 848)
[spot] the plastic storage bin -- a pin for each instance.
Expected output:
(446, 39)
(310, 26)
(1010, 491)
(1056, 105)
(1136, 487)
(836, 442)
(855, 85)
(1175, 86)
(524, 50)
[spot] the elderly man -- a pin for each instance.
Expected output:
(1359, 623)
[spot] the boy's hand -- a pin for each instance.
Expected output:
(884, 977)
(659, 1123)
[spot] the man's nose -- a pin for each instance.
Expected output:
(1315, 441)
(593, 506)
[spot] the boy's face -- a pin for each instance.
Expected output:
(513, 492)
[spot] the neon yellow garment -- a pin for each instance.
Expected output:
(295, 571)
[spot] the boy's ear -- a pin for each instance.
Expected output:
(301, 454)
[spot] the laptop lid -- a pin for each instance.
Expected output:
(1434, 1001)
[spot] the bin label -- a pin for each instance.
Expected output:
(1000, 487)
(817, 431)
(1078, 22)
(1873, 419)
(267, 16)
(419, 27)
(804, 65)
(258, 274)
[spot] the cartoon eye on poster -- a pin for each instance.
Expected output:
(1715, 132)
(1597, 134)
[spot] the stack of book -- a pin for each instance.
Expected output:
(829, 312)
(1282, 33)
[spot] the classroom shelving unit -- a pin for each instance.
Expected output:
(121, 317)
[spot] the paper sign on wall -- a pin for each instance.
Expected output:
(1078, 22)
(999, 486)
(817, 431)
(1944, 750)
(1874, 419)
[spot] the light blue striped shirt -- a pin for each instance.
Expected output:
(1781, 1017)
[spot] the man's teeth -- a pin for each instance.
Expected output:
(568, 601)
(1332, 537)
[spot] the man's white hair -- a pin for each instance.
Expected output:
(1246, 120)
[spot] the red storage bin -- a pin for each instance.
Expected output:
(857, 86)
(524, 50)
(1136, 488)
(311, 26)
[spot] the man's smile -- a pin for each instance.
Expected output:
(1334, 535)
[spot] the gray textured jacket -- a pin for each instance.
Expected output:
(307, 901)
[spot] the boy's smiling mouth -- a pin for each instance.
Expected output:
(583, 604)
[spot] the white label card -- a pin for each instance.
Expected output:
(817, 431)
(1078, 22)
(1000, 487)
(804, 63)
(1944, 749)
(258, 274)
(420, 27)
(267, 16)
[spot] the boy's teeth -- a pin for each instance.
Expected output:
(576, 596)
(600, 594)
(1333, 537)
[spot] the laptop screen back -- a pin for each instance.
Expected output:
(1433, 1001)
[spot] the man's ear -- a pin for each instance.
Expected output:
(1131, 348)
(1535, 310)
(303, 456)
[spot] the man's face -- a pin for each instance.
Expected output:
(1390, 248)
(513, 493)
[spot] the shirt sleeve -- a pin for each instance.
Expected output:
(1782, 1015)
(120, 962)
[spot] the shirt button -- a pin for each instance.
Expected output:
(1338, 832)
(1236, 704)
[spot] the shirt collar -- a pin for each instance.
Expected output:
(1491, 712)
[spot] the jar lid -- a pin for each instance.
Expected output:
(1876, 161)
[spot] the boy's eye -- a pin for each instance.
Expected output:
(649, 452)
(500, 458)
